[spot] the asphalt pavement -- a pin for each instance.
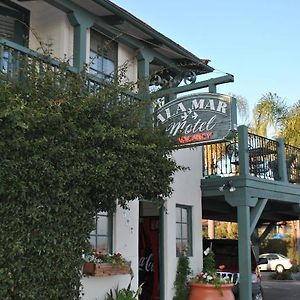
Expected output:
(280, 289)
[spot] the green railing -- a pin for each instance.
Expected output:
(223, 159)
(13, 56)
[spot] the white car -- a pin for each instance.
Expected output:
(274, 262)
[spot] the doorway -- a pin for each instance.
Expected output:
(149, 251)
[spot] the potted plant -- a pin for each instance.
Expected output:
(182, 273)
(99, 264)
(208, 285)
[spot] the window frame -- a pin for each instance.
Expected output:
(19, 13)
(189, 222)
(109, 232)
(103, 55)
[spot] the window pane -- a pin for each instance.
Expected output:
(178, 214)
(93, 242)
(184, 215)
(108, 66)
(184, 233)
(102, 244)
(102, 225)
(178, 231)
(103, 55)
(183, 230)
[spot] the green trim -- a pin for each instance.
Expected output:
(22, 20)
(266, 232)
(256, 212)
(195, 86)
(282, 166)
(149, 30)
(244, 250)
(189, 223)
(243, 150)
(81, 22)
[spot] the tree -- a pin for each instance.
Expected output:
(272, 111)
(291, 125)
(268, 112)
(65, 154)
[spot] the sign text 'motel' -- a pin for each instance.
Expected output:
(199, 118)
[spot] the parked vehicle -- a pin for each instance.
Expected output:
(226, 257)
(274, 262)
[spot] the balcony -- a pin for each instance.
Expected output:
(254, 171)
(13, 56)
(261, 154)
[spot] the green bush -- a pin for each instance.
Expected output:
(66, 154)
(275, 246)
(285, 275)
(180, 284)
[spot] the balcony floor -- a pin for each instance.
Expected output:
(283, 198)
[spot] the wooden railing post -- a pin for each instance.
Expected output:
(243, 150)
(282, 167)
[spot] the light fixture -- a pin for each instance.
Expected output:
(227, 186)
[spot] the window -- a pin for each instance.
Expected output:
(183, 230)
(103, 56)
(14, 22)
(101, 237)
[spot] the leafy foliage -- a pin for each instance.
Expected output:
(291, 125)
(66, 154)
(125, 293)
(181, 286)
(269, 111)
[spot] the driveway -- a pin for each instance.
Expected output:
(280, 289)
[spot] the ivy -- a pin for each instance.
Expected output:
(66, 154)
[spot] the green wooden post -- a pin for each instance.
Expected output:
(245, 288)
(144, 59)
(243, 150)
(212, 88)
(81, 23)
(242, 201)
(282, 167)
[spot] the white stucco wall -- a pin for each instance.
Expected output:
(127, 57)
(49, 25)
(125, 227)
(186, 192)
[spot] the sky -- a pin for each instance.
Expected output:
(258, 41)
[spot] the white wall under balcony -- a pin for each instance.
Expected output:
(51, 26)
(125, 227)
(127, 56)
(186, 192)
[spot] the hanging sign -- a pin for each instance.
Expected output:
(199, 118)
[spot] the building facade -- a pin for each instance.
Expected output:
(102, 37)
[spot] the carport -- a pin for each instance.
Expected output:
(250, 180)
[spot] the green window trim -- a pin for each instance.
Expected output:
(101, 238)
(14, 22)
(103, 56)
(184, 241)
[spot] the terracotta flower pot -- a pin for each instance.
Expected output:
(200, 291)
(89, 268)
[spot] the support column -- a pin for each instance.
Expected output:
(81, 24)
(243, 150)
(282, 167)
(245, 288)
(243, 202)
(144, 60)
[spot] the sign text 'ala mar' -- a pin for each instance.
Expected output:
(199, 119)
